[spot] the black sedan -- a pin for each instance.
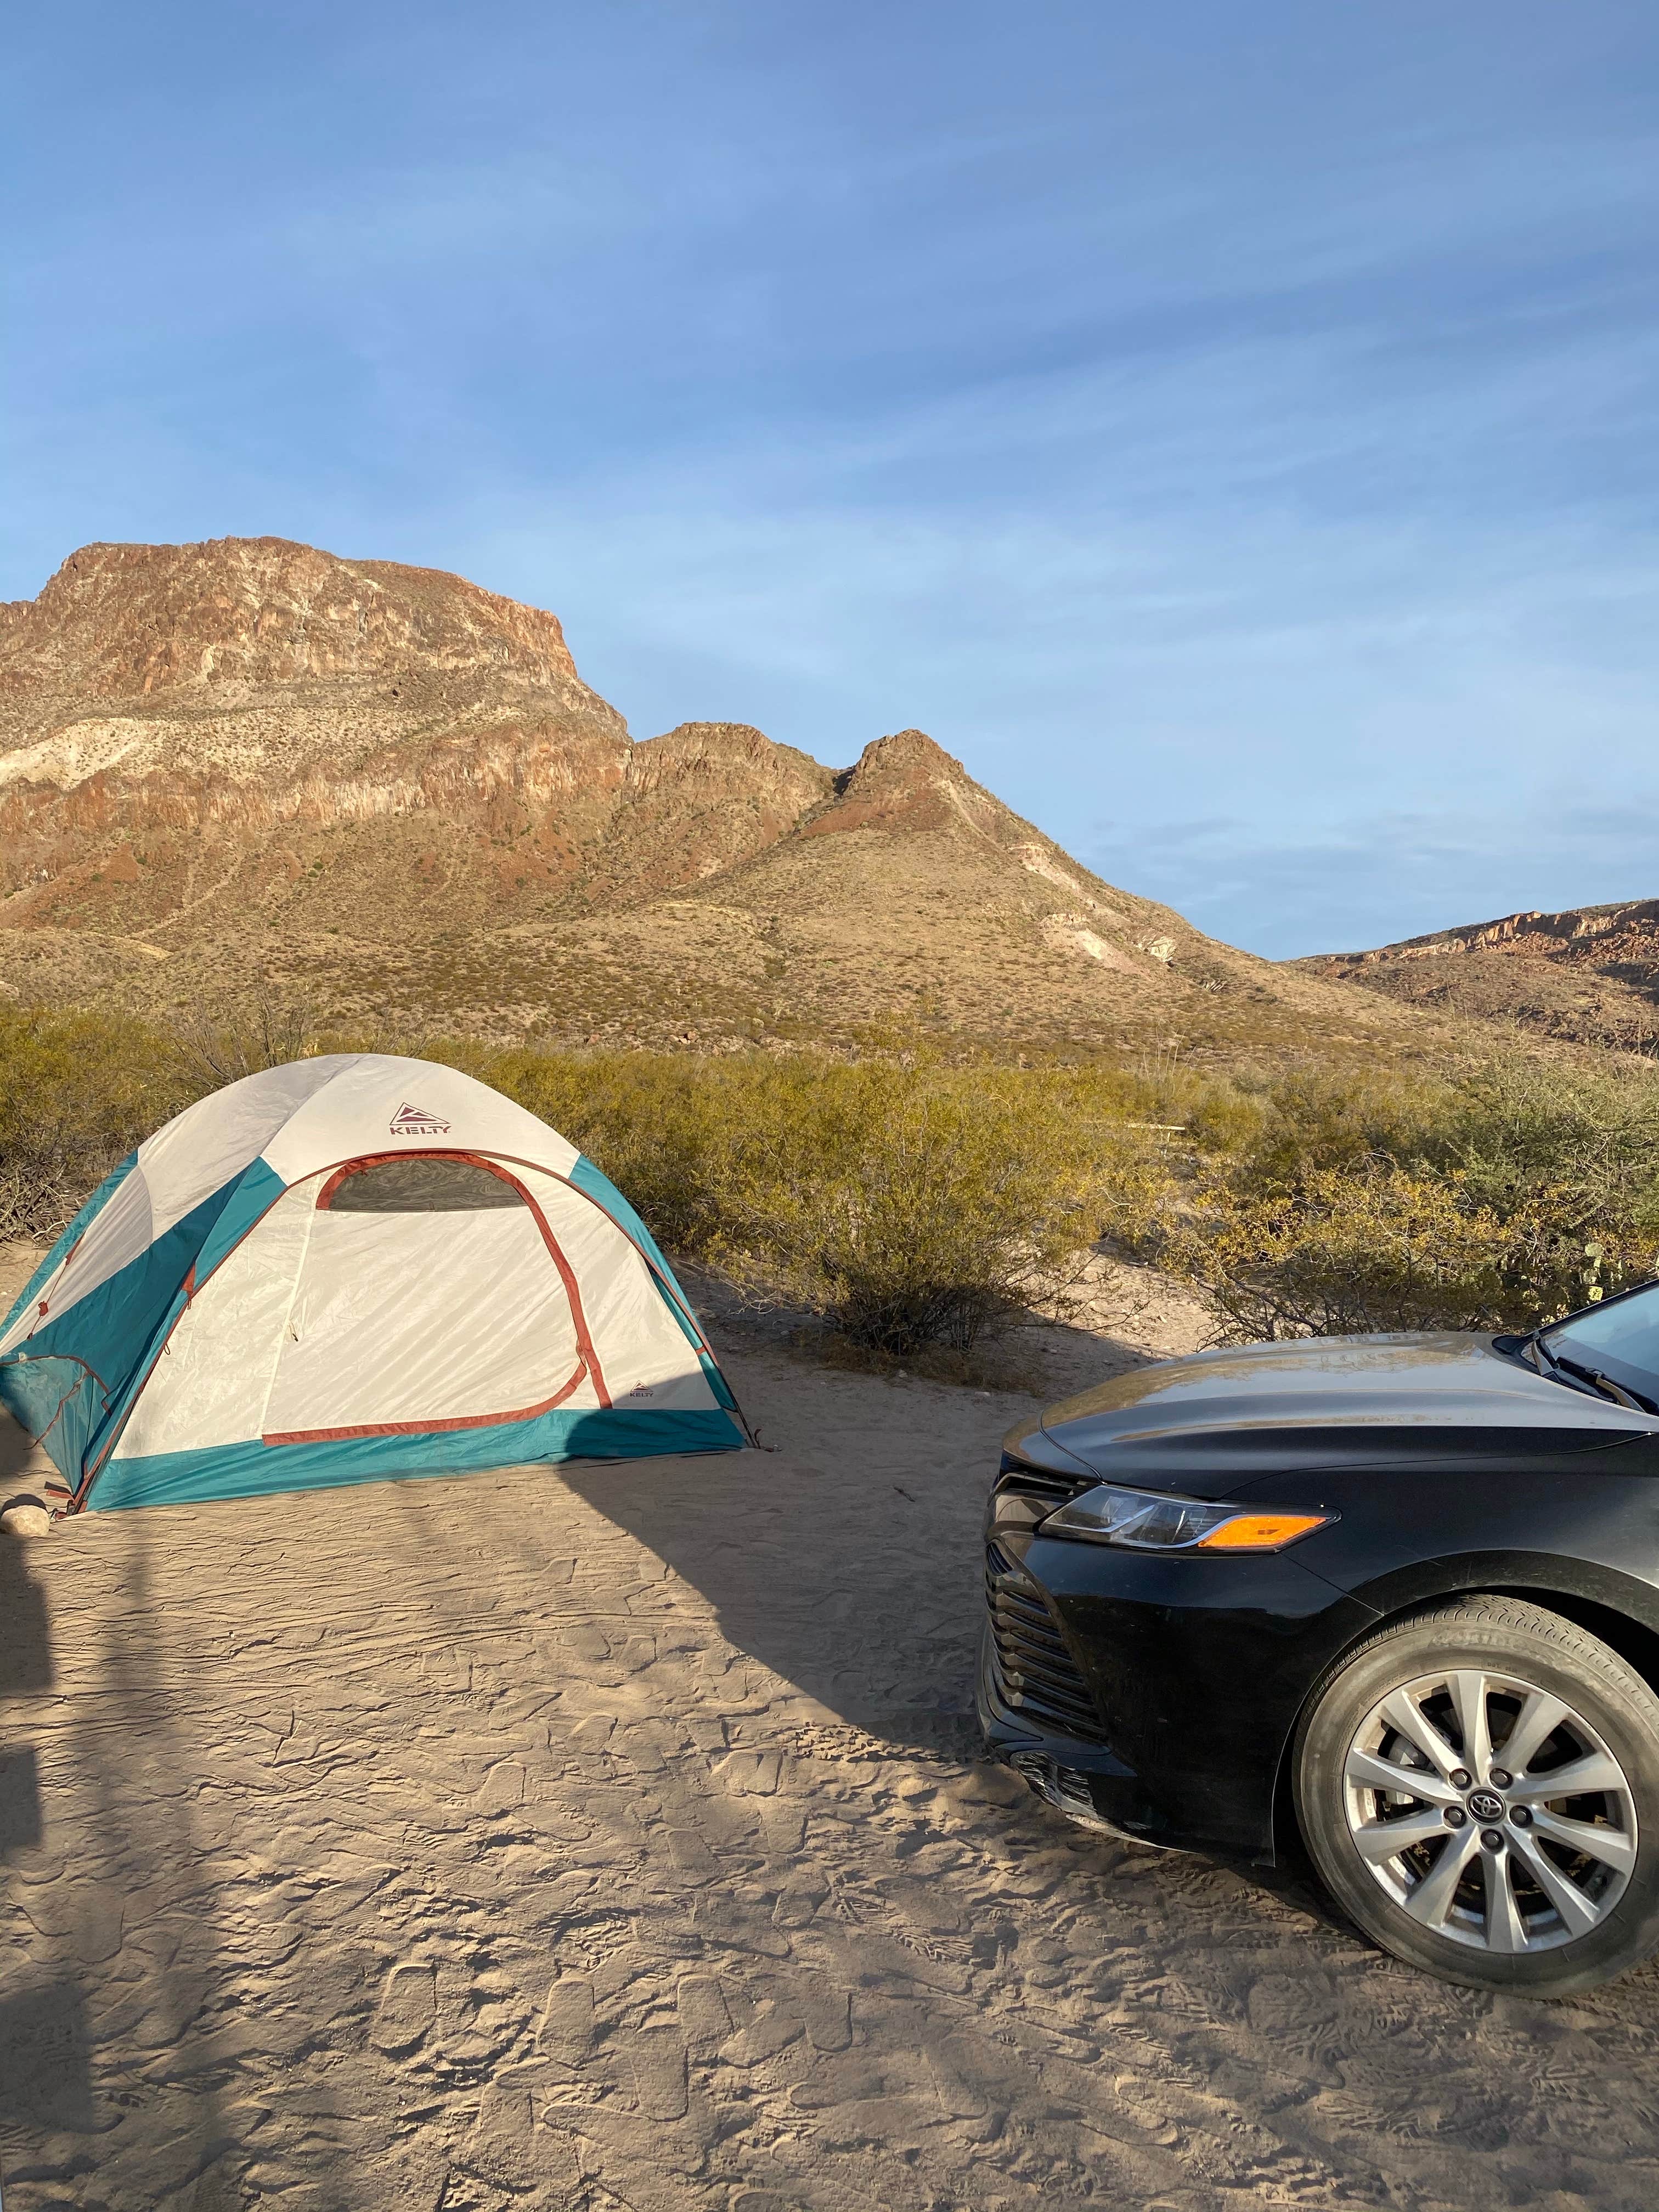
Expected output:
(1398, 1593)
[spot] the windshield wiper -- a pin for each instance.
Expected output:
(1604, 1383)
(1538, 1354)
(1555, 1368)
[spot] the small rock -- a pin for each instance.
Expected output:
(26, 1516)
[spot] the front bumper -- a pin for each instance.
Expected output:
(1153, 1697)
(1088, 1782)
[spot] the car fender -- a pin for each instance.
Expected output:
(1424, 1582)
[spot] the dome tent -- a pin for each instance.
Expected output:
(352, 1267)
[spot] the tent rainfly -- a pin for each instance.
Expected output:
(352, 1267)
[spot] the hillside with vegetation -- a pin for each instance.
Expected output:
(861, 1040)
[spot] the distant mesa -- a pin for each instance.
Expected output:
(1589, 975)
(389, 790)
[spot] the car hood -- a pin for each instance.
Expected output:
(1220, 1419)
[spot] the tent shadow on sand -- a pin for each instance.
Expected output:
(859, 1605)
(867, 1595)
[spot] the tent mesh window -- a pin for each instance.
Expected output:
(420, 1186)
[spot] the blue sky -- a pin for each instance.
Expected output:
(1231, 431)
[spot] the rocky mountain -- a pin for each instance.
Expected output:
(249, 763)
(1589, 974)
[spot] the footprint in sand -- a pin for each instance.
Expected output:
(772, 2030)
(509, 2164)
(567, 2028)
(705, 2020)
(691, 1854)
(659, 2062)
(408, 2005)
(502, 2146)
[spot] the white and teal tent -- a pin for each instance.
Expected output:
(348, 1267)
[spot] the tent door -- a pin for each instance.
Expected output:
(431, 1296)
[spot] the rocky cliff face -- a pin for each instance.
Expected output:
(1589, 974)
(199, 625)
(163, 708)
(390, 790)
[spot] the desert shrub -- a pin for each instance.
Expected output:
(1344, 1253)
(77, 1091)
(1315, 1122)
(662, 1127)
(910, 1201)
(1498, 1198)
(906, 1208)
(238, 1035)
(1577, 1150)
(907, 1204)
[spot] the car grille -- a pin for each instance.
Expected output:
(1036, 1675)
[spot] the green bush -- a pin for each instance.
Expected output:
(1498, 1198)
(1343, 1254)
(77, 1091)
(907, 1209)
(911, 1201)
(906, 1203)
(661, 1126)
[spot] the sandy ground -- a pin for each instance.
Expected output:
(617, 1838)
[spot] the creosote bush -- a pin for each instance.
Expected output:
(908, 1211)
(1499, 1198)
(77, 1091)
(219, 1043)
(1342, 1254)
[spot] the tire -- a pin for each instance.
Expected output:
(1492, 1879)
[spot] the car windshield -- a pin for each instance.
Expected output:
(1620, 1339)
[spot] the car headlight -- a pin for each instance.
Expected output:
(1149, 1521)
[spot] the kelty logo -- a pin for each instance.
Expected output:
(412, 1121)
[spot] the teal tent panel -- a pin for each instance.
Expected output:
(112, 1324)
(599, 1187)
(70, 1237)
(59, 1402)
(256, 1190)
(72, 1384)
(255, 1469)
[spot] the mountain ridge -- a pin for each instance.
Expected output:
(382, 787)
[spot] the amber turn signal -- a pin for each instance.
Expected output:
(1260, 1532)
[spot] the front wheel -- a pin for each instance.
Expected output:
(1478, 1789)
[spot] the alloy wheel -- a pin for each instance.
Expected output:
(1490, 1811)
